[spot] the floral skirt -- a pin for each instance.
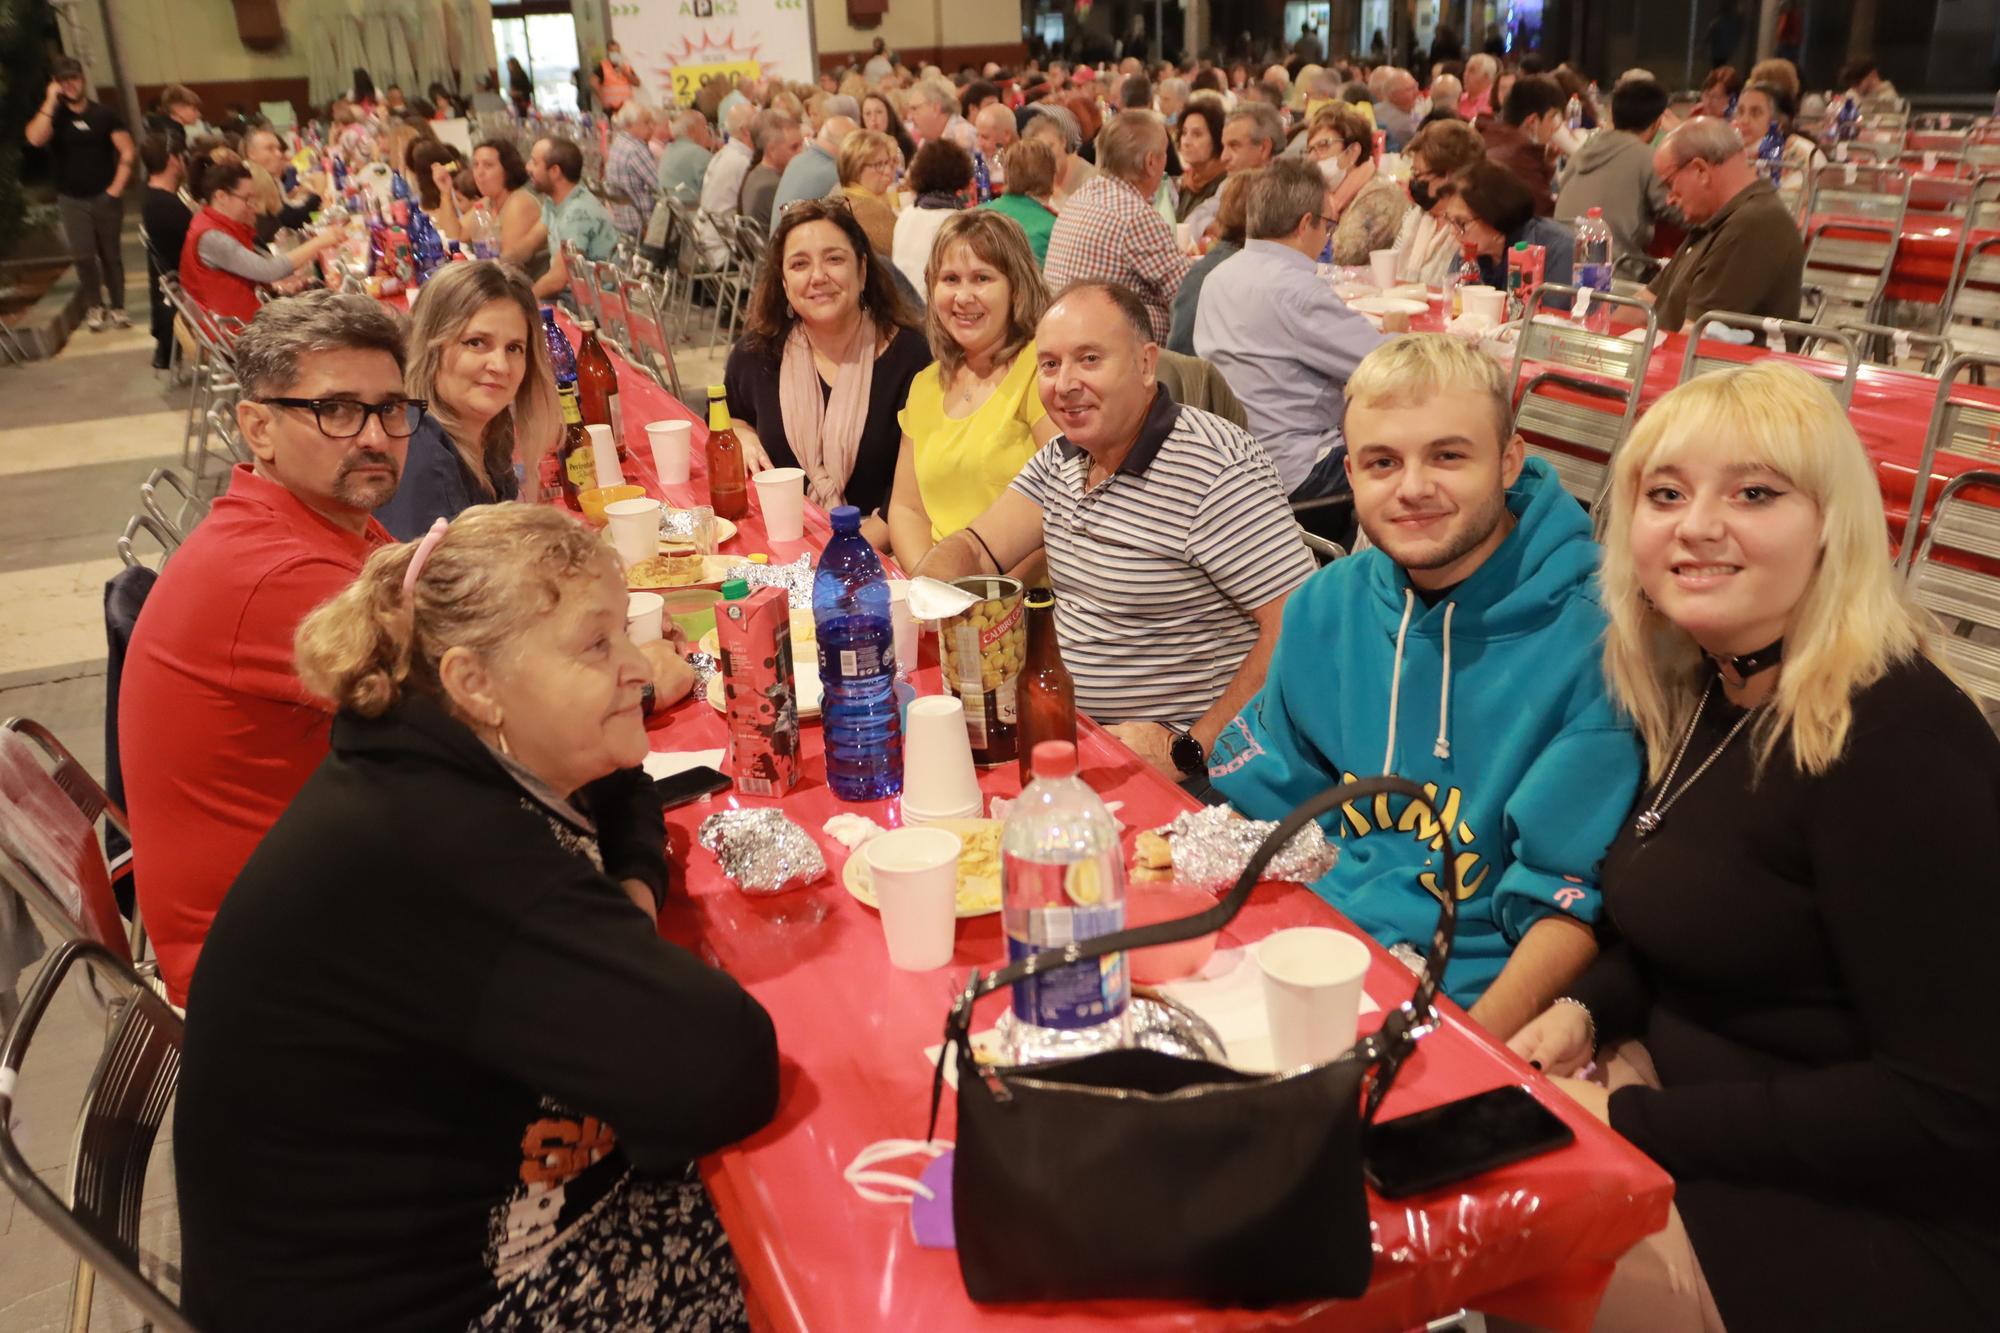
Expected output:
(652, 1255)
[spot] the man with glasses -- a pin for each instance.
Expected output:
(1742, 251)
(215, 733)
(222, 266)
(93, 159)
(1284, 342)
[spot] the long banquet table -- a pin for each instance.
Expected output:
(1534, 1241)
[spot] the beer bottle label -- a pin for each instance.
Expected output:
(571, 413)
(582, 468)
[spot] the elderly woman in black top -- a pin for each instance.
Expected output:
(441, 1071)
(1791, 1018)
(817, 381)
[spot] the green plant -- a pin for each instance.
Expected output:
(24, 76)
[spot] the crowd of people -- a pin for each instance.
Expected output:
(380, 721)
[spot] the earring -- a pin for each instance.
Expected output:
(500, 735)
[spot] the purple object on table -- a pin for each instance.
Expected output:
(930, 1219)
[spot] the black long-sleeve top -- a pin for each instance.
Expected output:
(1801, 956)
(428, 1032)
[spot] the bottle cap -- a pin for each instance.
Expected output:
(586, 326)
(1055, 759)
(845, 518)
(1522, 246)
(1595, 213)
(734, 589)
(717, 391)
(759, 558)
(1040, 597)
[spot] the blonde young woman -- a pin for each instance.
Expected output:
(477, 356)
(1791, 1017)
(975, 415)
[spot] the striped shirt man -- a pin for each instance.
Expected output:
(1157, 569)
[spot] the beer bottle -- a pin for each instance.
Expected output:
(728, 490)
(597, 387)
(575, 469)
(1047, 691)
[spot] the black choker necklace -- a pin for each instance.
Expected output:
(1749, 664)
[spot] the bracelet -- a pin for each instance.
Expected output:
(1590, 1019)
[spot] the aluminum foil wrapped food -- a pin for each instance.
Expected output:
(796, 579)
(704, 666)
(1211, 847)
(761, 850)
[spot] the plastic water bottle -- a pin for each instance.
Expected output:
(1593, 267)
(857, 666)
(1771, 154)
(561, 359)
(1064, 880)
(1575, 113)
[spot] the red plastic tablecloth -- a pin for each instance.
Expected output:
(1921, 270)
(1534, 1241)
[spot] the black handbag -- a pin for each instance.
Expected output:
(1132, 1173)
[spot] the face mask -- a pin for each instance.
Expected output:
(1420, 194)
(1331, 171)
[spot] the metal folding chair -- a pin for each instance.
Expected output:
(1941, 196)
(1849, 261)
(607, 280)
(1811, 341)
(1962, 427)
(1984, 210)
(1579, 439)
(1972, 307)
(49, 848)
(98, 1213)
(1868, 192)
(652, 348)
(1965, 598)
(187, 512)
(1885, 345)
(1324, 552)
(582, 283)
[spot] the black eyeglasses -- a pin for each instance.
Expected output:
(345, 418)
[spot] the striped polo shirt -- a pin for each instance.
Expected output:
(1157, 569)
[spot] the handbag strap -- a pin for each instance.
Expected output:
(1385, 1049)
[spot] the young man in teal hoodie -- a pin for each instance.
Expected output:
(1462, 653)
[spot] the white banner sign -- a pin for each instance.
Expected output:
(672, 44)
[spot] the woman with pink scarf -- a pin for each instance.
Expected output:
(826, 363)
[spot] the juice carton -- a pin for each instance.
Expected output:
(760, 698)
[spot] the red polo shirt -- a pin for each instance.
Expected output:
(215, 732)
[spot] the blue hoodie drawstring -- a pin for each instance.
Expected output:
(1442, 749)
(1396, 681)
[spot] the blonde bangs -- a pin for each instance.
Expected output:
(1853, 622)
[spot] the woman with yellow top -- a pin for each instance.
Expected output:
(974, 416)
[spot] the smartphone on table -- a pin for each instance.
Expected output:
(1416, 1153)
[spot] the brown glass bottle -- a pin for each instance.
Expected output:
(573, 465)
(597, 387)
(728, 489)
(1047, 691)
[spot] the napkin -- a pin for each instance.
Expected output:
(934, 599)
(1228, 994)
(665, 763)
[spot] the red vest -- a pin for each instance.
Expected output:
(217, 290)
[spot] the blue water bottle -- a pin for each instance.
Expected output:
(857, 666)
(561, 359)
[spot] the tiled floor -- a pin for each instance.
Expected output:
(78, 435)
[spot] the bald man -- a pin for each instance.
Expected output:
(997, 130)
(815, 172)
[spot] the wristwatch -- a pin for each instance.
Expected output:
(1186, 752)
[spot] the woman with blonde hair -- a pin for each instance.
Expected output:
(438, 1058)
(867, 166)
(975, 415)
(1777, 1019)
(478, 358)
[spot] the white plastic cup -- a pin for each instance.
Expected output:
(635, 529)
(673, 449)
(1488, 303)
(1312, 992)
(645, 617)
(781, 498)
(939, 781)
(604, 456)
(905, 626)
(1383, 264)
(915, 875)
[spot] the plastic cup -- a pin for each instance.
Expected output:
(915, 874)
(1489, 303)
(939, 781)
(604, 456)
(635, 529)
(1312, 992)
(905, 626)
(673, 448)
(781, 498)
(645, 617)
(1383, 264)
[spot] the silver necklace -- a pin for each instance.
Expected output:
(1648, 821)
